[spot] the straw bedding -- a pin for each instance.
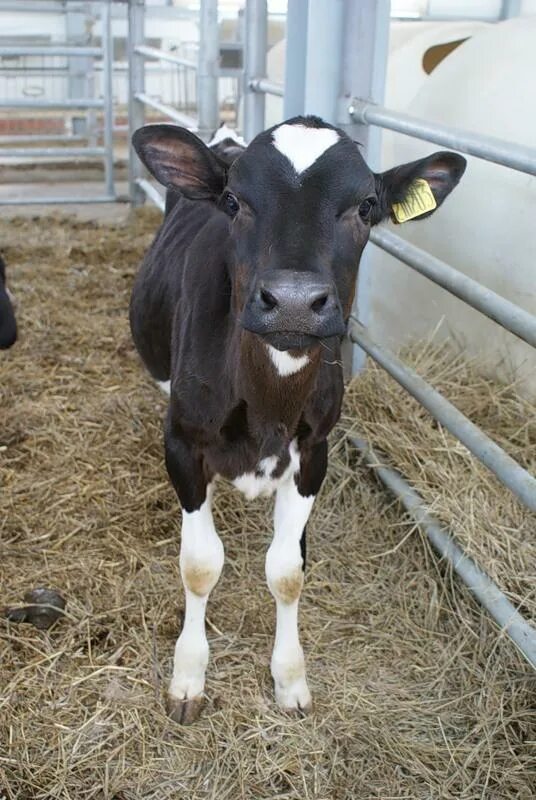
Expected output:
(417, 695)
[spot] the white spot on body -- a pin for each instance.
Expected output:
(225, 132)
(165, 386)
(303, 145)
(261, 483)
(201, 562)
(285, 363)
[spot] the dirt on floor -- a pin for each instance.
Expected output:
(417, 694)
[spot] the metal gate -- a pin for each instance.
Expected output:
(346, 87)
(105, 105)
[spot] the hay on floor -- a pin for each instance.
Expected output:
(416, 693)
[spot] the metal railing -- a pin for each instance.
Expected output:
(105, 105)
(206, 69)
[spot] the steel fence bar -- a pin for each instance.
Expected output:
(75, 102)
(152, 193)
(108, 58)
(50, 50)
(168, 111)
(40, 137)
(136, 85)
(477, 581)
(266, 87)
(162, 55)
(39, 152)
(509, 154)
(505, 313)
(46, 201)
(207, 71)
(255, 45)
(508, 471)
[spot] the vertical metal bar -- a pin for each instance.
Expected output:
(296, 58)
(208, 68)
(363, 71)
(509, 9)
(325, 36)
(107, 89)
(136, 85)
(80, 67)
(256, 39)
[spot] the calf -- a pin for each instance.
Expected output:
(238, 311)
(8, 325)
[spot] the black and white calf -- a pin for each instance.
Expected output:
(8, 325)
(238, 310)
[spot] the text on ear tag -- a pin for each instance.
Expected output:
(418, 200)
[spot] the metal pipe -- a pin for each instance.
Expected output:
(296, 58)
(256, 37)
(162, 55)
(50, 50)
(507, 314)
(477, 581)
(508, 471)
(136, 86)
(509, 154)
(46, 201)
(108, 57)
(207, 71)
(51, 152)
(47, 137)
(152, 193)
(262, 85)
(82, 102)
(168, 111)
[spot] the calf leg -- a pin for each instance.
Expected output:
(285, 564)
(201, 562)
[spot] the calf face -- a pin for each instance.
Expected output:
(8, 325)
(302, 201)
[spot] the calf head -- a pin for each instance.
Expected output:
(301, 202)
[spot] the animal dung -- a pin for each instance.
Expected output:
(45, 606)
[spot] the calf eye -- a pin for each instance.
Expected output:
(365, 208)
(231, 205)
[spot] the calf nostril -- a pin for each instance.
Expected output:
(319, 302)
(267, 299)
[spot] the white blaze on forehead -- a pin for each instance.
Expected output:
(303, 145)
(285, 363)
(225, 132)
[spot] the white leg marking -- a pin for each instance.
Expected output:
(201, 562)
(303, 145)
(285, 363)
(284, 574)
(165, 386)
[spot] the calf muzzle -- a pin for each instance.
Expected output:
(293, 310)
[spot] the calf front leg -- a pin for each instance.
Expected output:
(285, 565)
(201, 562)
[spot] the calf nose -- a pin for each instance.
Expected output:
(285, 301)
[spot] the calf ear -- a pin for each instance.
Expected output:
(180, 160)
(416, 189)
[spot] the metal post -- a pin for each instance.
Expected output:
(364, 65)
(208, 67)
(107, 89)
(296, 58)
(80, 67)
(254, 65)
(136, 81)
(325, 36)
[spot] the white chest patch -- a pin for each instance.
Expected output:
(303, 145)
(285, 363)
(261, 483)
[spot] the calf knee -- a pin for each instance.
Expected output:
(200, 576)
(284, 574)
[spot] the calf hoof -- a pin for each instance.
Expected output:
(294, 699)
(184, 711)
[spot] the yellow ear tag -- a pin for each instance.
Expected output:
(418, 200)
